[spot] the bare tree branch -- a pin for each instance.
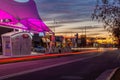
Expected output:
(108, 11)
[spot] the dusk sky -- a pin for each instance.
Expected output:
(71, 16)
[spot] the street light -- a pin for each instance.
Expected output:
(54, 25)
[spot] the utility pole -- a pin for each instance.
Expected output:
(85, 36)
(54, 25)
(85, 31)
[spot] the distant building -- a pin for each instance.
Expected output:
(83, 41)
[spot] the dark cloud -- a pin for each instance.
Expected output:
(55, 26)
(69, 9)
(70, 21)
(87, 27)
(65, 32)
(69, 12)
(80, 31)
(102, 30)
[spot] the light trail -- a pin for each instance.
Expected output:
(45, 56)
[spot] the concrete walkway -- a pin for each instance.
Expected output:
(32, 54)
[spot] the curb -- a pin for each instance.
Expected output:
(107, 75)
(113, 72)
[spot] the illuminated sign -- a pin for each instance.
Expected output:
(25, 35)
(22, 1)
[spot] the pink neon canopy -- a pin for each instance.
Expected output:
(12, 12)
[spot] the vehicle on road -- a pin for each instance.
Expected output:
(39, 49)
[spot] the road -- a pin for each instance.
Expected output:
(77, 67)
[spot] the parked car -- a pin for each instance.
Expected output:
(39, 49)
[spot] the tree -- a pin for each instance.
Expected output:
(108, 11)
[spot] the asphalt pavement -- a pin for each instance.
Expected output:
(78, 67)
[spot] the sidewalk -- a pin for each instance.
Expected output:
(32, 54)
(9, 59)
